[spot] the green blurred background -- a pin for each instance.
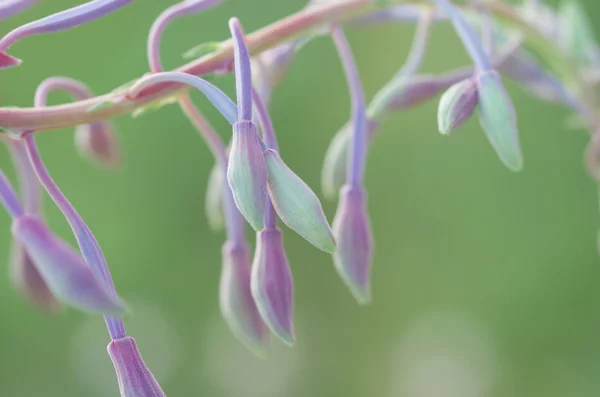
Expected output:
(485, 282)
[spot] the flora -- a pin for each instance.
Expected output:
(250, 182)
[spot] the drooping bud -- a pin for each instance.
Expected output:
(498, 119)
(270, 67)
(335, 166)
(577, 33)
(237, 304)
(215, 213)
(457, 105)
(247, 174)
(8, 61)
(273, 285)
(352, 230)
(405, 93)
(296, 204)
(29, 281)
(135, 379)
(98, 142)
(68, 277)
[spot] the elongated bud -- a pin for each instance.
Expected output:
(135, 379)
(335, 166)
(247, 174)
(352, 230)
(498, 119)
(296, 204)
(406, 93)
(29, 281)
(237, 304)
(98, 142)
(577, 33)
(273, 285)
(214, 204)
(68, 277)
(457, 105)
(8, 61)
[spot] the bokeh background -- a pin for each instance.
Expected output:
(485, 282)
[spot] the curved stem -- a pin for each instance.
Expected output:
(12, 7)
(30, 187)
(9, 197)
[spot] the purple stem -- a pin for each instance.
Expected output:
(243, 72)
(9, 197)
(27, 178)
(358, 146)
(12, 7)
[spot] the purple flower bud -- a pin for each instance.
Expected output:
(273, 285)
(237, 304)
(8, 61)
(247, 173)
(135, 379)
(68, 277)
(270, 67)
(214, 202)
(352, 230)
(402, 94)
(296, 204)
(98, 142)
(29, 281)
(457, 105)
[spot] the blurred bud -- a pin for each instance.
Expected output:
(68, 277)
(498, 119)
(406, 93)
(247, 174)
(333, 175)
(214, 205)
(237, 304)
(135, 379)
(296, 204)
(270, 67)
(273, 285)
(8, 61)
(352, 230)
(98, 142)
(457, 105)
(29, 281)
(576, 32)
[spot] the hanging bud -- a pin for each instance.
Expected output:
(29, 281)
(273, 285)
(498, 119)
(215, 213)
(352, 230)
(333, 175)
(296, 204)
(237, 304)
(577, 33)
(98, 142)
(456, 106)
(270, 67)
(68, 277)
(247, 173)
(8, 61)
(135, 379)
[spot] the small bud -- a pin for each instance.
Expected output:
(29, 281)
(273, 285)
(214, 206)
(352, 230)
(237, 304)
(498, 119)
(135, 379)
(98, 142)
(576, 32)
(406, 93)
(68, 277)
(335, 166)
(270, 67)
(457, 105)
(8, 61)
(296, 204)
(247, 173)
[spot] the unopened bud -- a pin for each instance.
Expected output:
(98, 142)
(457, 105)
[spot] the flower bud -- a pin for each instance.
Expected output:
(270, 67)
(352, 230)
(247, 173)
(237, 304)
(98, 142)
(273, 285)
(577, 32)
(8, 61)
(68, 277)
(498, 119)
(296, 204)
(457, 105)
(214, 206)
(135, 379)
(406, 93)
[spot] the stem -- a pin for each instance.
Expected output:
(9, 197)
(12, 7)
(28, 181)
(243, 72)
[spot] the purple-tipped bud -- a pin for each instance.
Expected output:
(237, 304)
(135, 379)
(296, 204)
(8, 61)
(68, 277)
(247, 173)
(352, 230)
(498, 119)
(29, 281)
(98, 142)
(457, 105)
(402, 93)
(214, 202)
(273, 285)
(335, 166)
